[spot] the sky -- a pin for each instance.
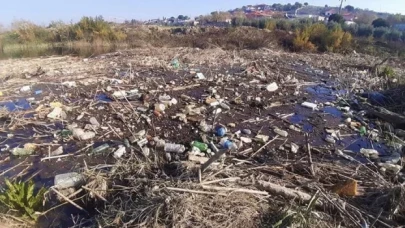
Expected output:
(44, 11)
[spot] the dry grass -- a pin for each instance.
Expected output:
(140, 194)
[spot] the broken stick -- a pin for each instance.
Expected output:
(310, 163)
(212, 159)
(242, 190)
(276, 189)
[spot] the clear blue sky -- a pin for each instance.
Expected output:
(44, 11)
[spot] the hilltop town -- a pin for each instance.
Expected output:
(295, 11)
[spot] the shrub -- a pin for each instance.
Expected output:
(387, 72)
(270, 24)
(20, 196)
(352, 29)
(93, 29)
(380, 32)
(337, 39)
(394, 35)
(365, 30)
(336, 18)
(26, 32)
(403, 36)
(321, 37)
(379, 22)
(283, 25)
(301, 41)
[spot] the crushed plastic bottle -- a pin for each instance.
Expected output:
(119, 152)
(68, 180)
(83, 135)
(174, 148)
(204, 127)
(69, 84)
(369, 153)
(25, 88)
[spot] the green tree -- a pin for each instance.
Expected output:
(365, 30)
(306, 4)
(379, 22)
(336, 18)
(380, 32)
(297, 5)
(394, 35)
(349, 8)
(366, 18)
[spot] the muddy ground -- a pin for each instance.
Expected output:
(238, 77)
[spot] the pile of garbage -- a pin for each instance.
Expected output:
(199, 118)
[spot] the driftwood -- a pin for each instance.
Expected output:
(384, 114)
(276, 189)
(240, 190)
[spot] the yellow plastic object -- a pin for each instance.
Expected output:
(56, 105)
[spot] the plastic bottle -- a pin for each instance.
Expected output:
(363, 131)
(280, 132)
(310, 105)
(220, 131)
(229, 145)
(174, 148)
(68, 180)
(100, 149)
(202, 146)
(225, 106)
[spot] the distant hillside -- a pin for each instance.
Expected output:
(302, 9)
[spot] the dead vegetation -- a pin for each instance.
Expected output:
(235, 194)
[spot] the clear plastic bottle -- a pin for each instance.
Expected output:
(174, 148)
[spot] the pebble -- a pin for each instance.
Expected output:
(232, 125)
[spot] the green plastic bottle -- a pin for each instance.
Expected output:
(202, 146)
(100, 149)
(363, 131)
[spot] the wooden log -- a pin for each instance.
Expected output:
(276, 189)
